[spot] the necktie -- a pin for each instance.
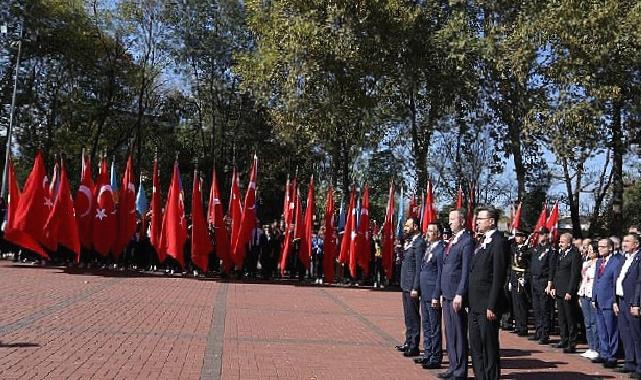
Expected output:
(447, 250)
(601, 268)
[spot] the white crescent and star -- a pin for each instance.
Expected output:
(84, 190)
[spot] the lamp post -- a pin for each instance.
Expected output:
(3, 193)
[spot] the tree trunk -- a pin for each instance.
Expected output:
(599, 196)
(616, 225)
(573, 200)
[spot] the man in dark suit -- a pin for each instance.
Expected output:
(454, 286)
(258, 245)
(431, 265)
(608, 266)
(542, 257)
(629, 326)
(410, 270)
(488, 270)
(563, 285)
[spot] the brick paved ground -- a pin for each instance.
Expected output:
(59, 324)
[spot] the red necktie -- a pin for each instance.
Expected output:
(601, 268)
(447, 250)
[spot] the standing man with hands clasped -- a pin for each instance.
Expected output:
(410, 271)
(487, 300)
(563, 285)
(431, 265)
(454, 285)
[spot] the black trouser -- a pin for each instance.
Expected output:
(567, 319)
(542, 305)
(411, 307)
(484, 346)
(520, 307)
(508, 316)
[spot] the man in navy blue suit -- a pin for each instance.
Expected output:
(603, 297)
(431, 265)
(454, 284)
(410, 271)
(626, 286)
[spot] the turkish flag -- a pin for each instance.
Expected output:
(343, 257)
(55, 179)
(388, 235)
(471, 225)
(105, 228)
(235, 212)
(61, 228)
(413, 209)
(12, 234)
(201, 246)
(84, 204)
(516, 221)
(363, 243)
(543, 216)
(329, 244)
(430, 215)
(552, 223)
(353, 238)
(216, 218)
(290, 200)
(305, 251)
(126, 210)
(156, 213)
(174, 226)
(32, 211)
(248, 219)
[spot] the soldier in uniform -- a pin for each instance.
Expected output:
(542, 256)
(519, 281)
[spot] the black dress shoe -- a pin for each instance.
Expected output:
(560, 345)
(522, 333)
(432, 366)
(610, 364)
(569, 350)
(635, 375)
(411, 353)
(544, 342)
(421, 360)
(401, 348)
(445, 375)
(598, 360)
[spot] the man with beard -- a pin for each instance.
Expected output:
(542, 257)
(410, 271)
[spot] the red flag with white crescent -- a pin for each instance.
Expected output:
(105, 228)
(32, 211)
(329, 245)
(84, 204)
(201, 246)
(126, 210)
(61, 228)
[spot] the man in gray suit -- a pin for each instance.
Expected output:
(410, 271)
(454, 284)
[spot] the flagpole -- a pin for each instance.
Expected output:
(3, 192)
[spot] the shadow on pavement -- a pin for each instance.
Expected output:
(18, 345)
(553, 376)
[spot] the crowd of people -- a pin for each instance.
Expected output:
(473, 283)
(476, 283)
